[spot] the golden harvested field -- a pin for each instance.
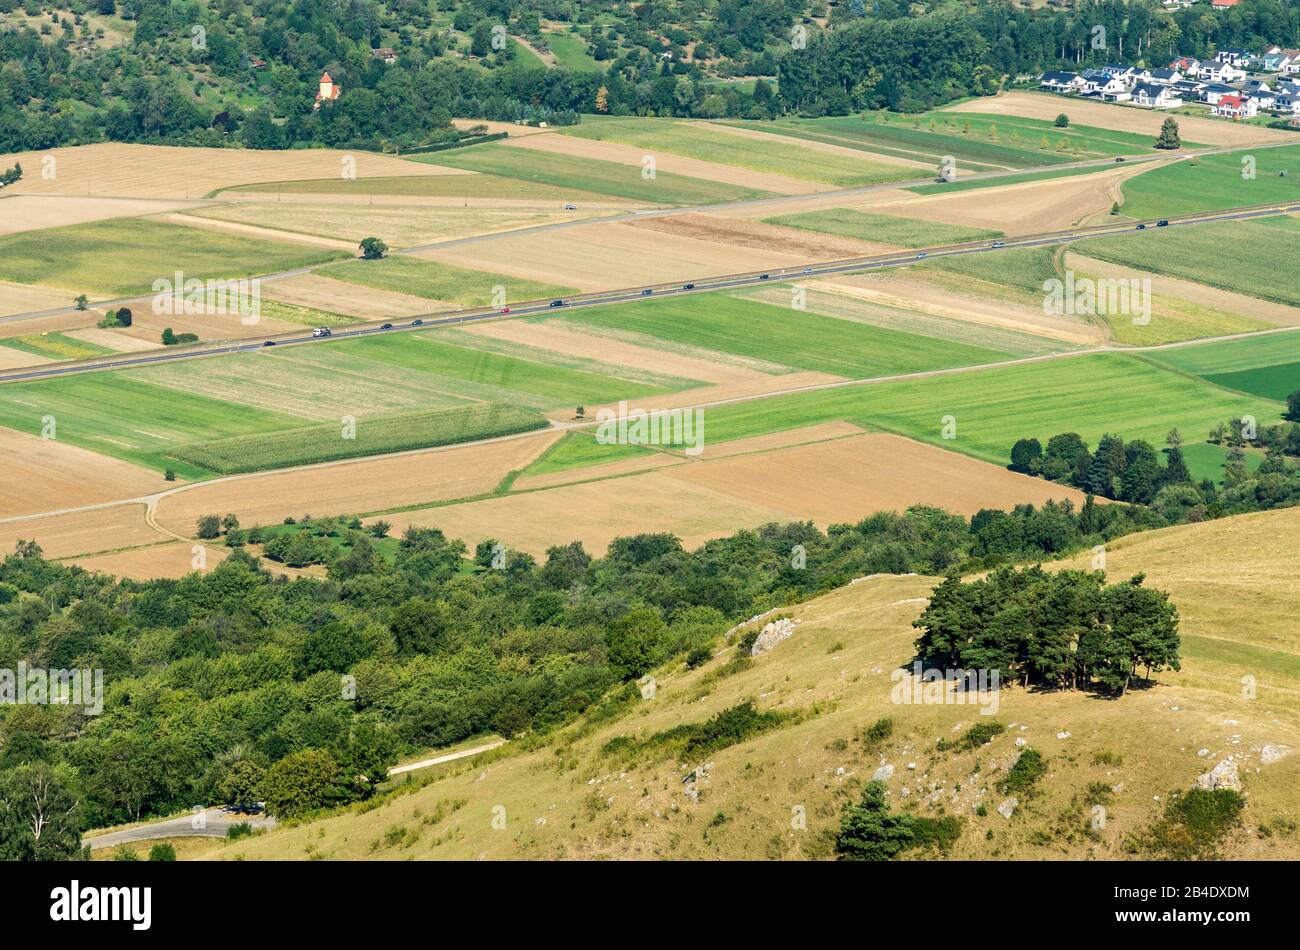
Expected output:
(165, 171)
(836, 669)
(845, 479)
(668, 163)
(554, 335)
(355, 486)
(1042, 105)
(258, 231)
(609, 256)
(22, 298)
(82, 532)
(398, 226)
(171, 559)
(20, 212)
(119, 340)
(758, 236)
(911, 291)
(11, 358)
(832, 477)
(339, 296)
(47, 475)
(494, 127)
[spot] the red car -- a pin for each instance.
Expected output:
(505, 309)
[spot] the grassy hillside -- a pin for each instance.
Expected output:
(597, 789)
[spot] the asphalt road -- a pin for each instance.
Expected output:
(627, 295)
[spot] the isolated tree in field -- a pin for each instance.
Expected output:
(209, 527)
(1114, 207)
(1062, 121)
(124, 317)
(169, 337)
(230, 523)
(1292, 407)
(372, 248)
(81, 303)
(11, 175)
(1169, 138)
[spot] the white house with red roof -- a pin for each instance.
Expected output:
(1235, 107)
(329, 90)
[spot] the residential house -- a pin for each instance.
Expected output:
(1212, 92)
(1220, 72)
(1235, 107)
(1165, 77)
(1187, 89)
(1223, 4)
(1290, 62)
(1186, 65)
(1151, 95)
(384, 53)
(1234, 56)
(1055, 80)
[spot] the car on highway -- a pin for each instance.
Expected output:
(505, 309)
(647, 292)
(320, 332)
(386, 326)
(268, 343)
(688, 286)
(417, 323)
(921, 255)
(1141, 227)
(1120, 158)
(570, 207)
(764, 276)
(998, 244)
(557, 303)
(1162, 223)
(807, 270)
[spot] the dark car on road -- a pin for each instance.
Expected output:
(557, 303)
(268, 343)
(1141, 227)
(1162, 223)
(417, 323)
(764, 276)
(688, 286)
(647, 292)
(386, 326)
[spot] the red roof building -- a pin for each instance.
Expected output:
(329, 90)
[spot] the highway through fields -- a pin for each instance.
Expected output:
(690, 285)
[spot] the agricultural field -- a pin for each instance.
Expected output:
(757, 153)
(971, 184)
(1215, 182)
(396, 226)
(122, 257)
(589, 175)
(1267, 365)
(782, 336)
(455, 188)
(1089, 394)
(440, 282)
(55, 346)
(978, 142)
(1223, 254)
(824, 679)
(886, 229)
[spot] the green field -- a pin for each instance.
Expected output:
(1019, 271)
(590, 175)
(132, 419)
(579, 450)
(978, 142)
(696, 141)
(1091, 395)
(55, 346)
(881, 228)
(373, 436)
(1241, 256)
(782, 335)
(125, 256)
(433, 186)
(423, 278)
(1267, 365)
(1215, 182)
(570, 50)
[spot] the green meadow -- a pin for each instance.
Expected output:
(697, 141)
(1216, 182)
(881, 228)
(589, 175)
(437, 281)
(1266, 365)
(125, 256)
(55, 346)
(1240, 256)
(579, 450)
(798, 339)
(993, 407)
(570, 50)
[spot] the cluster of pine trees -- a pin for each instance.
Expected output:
(1061, 630)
